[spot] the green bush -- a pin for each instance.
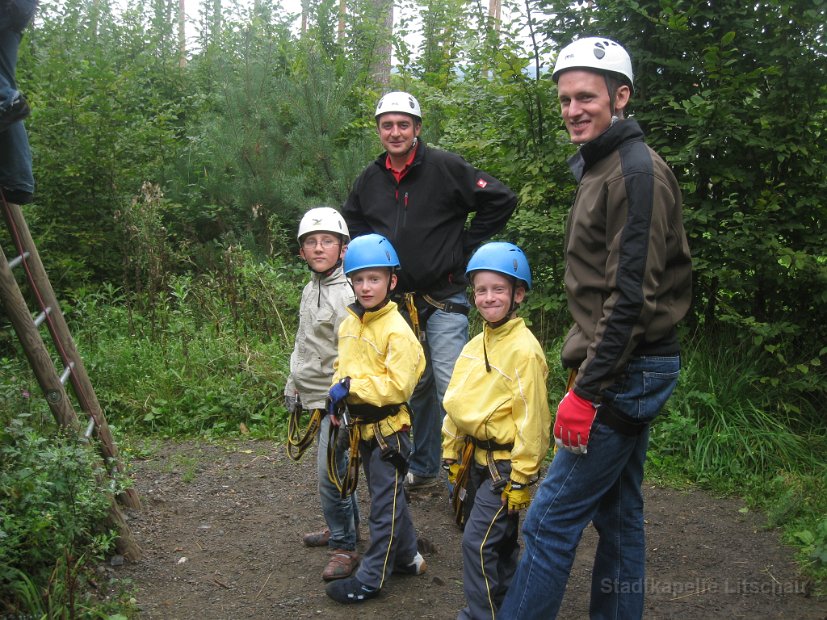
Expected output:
(206, 355)
(52, 512)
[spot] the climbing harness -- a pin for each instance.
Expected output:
(354, 417)
(447, 306)
(462, 495)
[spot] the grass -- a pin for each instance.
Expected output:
(726, 429)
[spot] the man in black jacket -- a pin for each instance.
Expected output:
(420, 197)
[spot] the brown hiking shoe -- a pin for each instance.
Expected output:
(342, 564)
(316, 539)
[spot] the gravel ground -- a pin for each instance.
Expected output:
(221, 534)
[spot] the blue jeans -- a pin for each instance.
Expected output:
(15, 155)
(341, 515)
(16, 177)
(604, 487)
(447, 333)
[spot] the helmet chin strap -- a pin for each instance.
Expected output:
(612, 95)
(496, 324)
(326, 272)
(612, 98)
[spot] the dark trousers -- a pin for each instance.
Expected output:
(489, 549)
(392, 534)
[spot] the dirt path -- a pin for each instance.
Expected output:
(221, 534)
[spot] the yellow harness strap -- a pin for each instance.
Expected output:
(572, 377)
(298, 442)
(410, 304)
(460, 493)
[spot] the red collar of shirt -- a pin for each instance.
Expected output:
(398, 174)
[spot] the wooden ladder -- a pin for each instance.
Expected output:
(52, 381)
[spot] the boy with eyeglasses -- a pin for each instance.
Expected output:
(323, 237)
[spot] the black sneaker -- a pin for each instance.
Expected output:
(18, 110)
(350, 591)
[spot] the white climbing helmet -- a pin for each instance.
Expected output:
(596, 53)
(398, 102)
(323, 219)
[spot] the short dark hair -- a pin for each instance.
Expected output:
(613, 82)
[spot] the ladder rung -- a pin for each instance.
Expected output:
(66, 372)
(89, 428)
(16, 261)
(42, 317)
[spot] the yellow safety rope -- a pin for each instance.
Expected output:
(410, 304)
(351, 479)
(298, 442)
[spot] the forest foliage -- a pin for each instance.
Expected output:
(168, 194)
(263, 122)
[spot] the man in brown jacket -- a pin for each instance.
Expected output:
(628, 283)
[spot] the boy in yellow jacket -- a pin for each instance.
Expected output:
(380, 362)
(497, 427)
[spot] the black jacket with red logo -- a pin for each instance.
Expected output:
(424, 216)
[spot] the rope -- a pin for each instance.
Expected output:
(351, 480)
(297, 442)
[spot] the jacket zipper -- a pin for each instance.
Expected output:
(401, 213)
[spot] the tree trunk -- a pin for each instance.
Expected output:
(494, 14)
(215, 27)
(182, 39)
(384, 32)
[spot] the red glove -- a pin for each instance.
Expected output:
(573, 423)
